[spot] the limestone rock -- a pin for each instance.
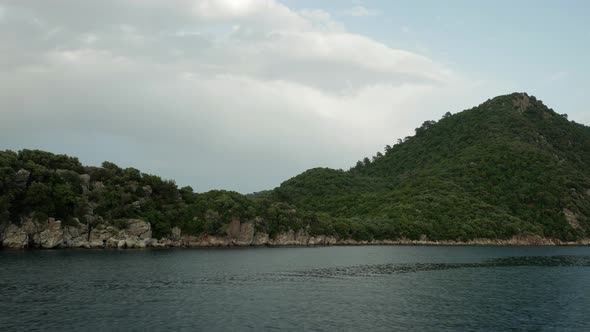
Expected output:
(205, 241)
(246, 234)
(139, 228)
(151, 242)
(176, 233)
(290, 238)
(233, 229)
(75, 236)
(52, 236)
(100, 234)
(330, 240)
(15, 237)
(32, 230)
(283, 239)
(133, 243)
(85, 183)
(260, 239)
(317, 240)
(301, 237)
(571, 218)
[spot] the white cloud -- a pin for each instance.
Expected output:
(359, 11)
(216, 94)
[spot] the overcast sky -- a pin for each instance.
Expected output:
(244, 94)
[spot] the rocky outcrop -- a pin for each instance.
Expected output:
(571, 218)
(175, 233)
(85, 184)
(75, 236)
(15, 237)
(52, 235)
(138, 228)
(136, 233)
(238, 234)
(521, 102)
(260, 239)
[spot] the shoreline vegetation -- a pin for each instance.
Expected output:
(510, 171)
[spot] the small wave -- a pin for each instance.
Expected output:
(372, 270)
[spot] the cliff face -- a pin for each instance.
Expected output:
(136, 233)
(53, 234)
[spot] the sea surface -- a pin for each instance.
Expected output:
(370, 288)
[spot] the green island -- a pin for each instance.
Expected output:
(509, 171)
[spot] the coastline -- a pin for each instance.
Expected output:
(136, 234)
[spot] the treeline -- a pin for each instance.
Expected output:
(37, 184)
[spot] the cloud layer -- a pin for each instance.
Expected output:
(232, 94)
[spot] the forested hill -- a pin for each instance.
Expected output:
(510, 166)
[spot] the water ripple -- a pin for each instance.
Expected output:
(373, 270)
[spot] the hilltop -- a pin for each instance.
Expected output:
(509, 166)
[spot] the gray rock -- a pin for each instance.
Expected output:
(176, 233)
(85, 183)
(317, 240)
(240, 234)
(151, 242)
(246, 235)
(135, 243)
(75, 236)
(571, 218)
(260, 239)
(32, 230)
(52, 236)
(100, 234)
(139, 228)
(15, 237)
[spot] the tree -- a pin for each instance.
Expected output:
(377, 156)
(425, 126)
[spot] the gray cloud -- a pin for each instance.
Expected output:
(216, 94)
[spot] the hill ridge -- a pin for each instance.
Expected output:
(508, 167)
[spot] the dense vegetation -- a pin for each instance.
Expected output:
(37, 184)
(507, 167)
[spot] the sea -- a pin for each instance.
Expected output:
(355, 288)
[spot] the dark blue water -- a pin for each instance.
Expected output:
(297, 289)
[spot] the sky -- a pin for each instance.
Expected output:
(244, 94)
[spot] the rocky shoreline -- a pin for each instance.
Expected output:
(136, 233)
